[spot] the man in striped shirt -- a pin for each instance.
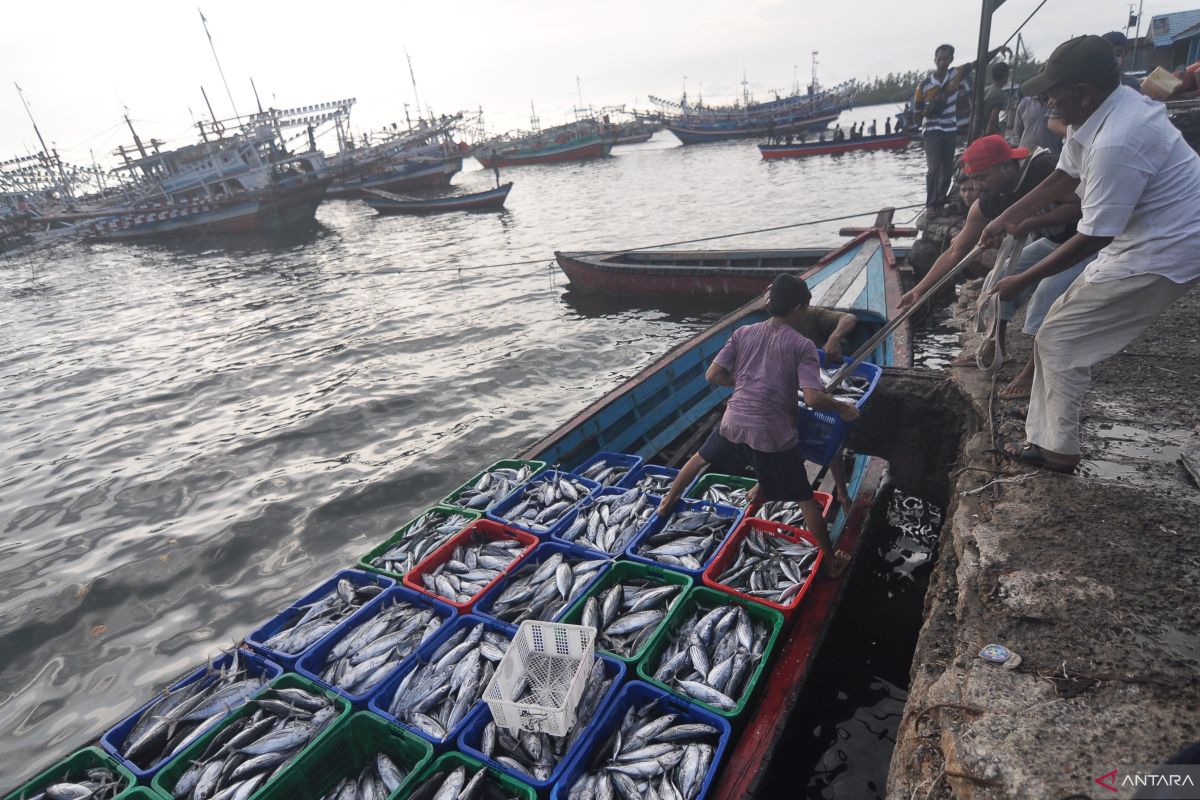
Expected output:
(936, 103)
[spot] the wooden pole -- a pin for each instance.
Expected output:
(981, 65)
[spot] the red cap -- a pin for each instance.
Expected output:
(988, 151)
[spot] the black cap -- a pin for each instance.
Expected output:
(787, 292)
(1116, 39)
(1086, 59)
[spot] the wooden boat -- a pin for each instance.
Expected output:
(552, 151)
(664, 412)
(692, 273)
(388, 203)
(893, 141)
(796, 113)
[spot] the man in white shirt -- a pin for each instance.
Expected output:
(1139, 186)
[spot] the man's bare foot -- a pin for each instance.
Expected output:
(1018, 389)
(834, 566)
(844, 500)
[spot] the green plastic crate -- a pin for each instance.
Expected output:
(344, 754)
(139, 793)
(536, 466)
(703, 597)
(453, 759)
(80, 761)
(696, 490)
(166, 778)
(365, 561)
(621, 571)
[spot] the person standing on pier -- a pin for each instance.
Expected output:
(995, 98)
(936, 102)
(1139, 184)
(768, 364)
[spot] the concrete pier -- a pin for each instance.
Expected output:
(1093, 580)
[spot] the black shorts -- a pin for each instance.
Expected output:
(781, 476)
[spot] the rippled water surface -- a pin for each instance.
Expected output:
(194, 433)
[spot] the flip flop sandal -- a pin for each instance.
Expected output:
(1030, 453)
(1012, 392)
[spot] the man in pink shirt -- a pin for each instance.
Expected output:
(768, 364)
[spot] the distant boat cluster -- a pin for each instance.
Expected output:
(264, 172)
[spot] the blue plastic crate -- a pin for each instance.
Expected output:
(268, 629)
(613, 459)
(640, 694)
(256, 666)
(472, 734)
(312, 663)
(658, 522)
(381, 699)
(822, 433)
(497, 511)
(539, 554)
(560, 534)
(634, 477)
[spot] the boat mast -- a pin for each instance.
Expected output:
(45, 150)
(412, 76)
(212, 114)
(213, 47)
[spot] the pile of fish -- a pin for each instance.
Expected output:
(626, 614)
(308, 623)
(538, 754)
(492, 487)
(422, 537)
(251, 750)
(365, 656)
(546, 501)
(770, 567)
(687, 539)
(97, 783)
(611, 521)
(378, 779)
(654, 483)
(179, 717)
(650, 755)
(785, 512)
(726, 495)
(541, 591)
(851, 389)
(437, 694)
(712, 655)
(455, 785)
(605, 474)
(471, 567)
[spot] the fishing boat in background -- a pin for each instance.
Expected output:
(420, 157)
(574, 141)
(388, 203)
(892, 141)
(635, 132)
(224, 184)
(695, 123)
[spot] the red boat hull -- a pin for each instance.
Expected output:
(893, 142)
(585, 151)
(594, 275)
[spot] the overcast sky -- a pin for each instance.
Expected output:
(81, 63)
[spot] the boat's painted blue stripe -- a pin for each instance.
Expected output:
(830, 270)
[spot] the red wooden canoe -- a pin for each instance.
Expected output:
(894, 141)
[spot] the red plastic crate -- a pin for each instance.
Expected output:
(824, 499)
(489, 530)
(728, 553)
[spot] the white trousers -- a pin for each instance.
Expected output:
(1088, 324)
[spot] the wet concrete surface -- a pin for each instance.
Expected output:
(1093, 580)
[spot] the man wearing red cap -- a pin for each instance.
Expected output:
(1139, 186)
(1003, 175)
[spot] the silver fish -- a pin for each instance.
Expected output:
(605, 473)
(368, 653)
(306, 624)
(377, 778)
(474, 564)
(546, 500)
(771, 567)
(420, 538)
(620, 629)
(492, 487)
(610, 521)
(687, 539)
(541, 590)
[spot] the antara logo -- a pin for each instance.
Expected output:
(1109, 781)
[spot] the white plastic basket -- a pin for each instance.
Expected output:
(547, 667)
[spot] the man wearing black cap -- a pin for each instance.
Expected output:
(768, 364)
(1139, 184)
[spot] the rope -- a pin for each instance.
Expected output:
(989, 305)
(1023, 24)
(622, 251)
